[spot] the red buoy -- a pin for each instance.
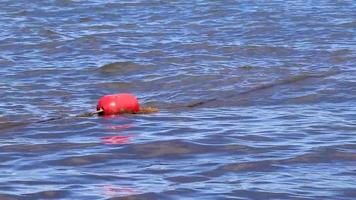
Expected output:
(118, 103)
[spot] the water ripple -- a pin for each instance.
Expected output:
(256, 99)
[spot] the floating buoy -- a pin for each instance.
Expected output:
(118, 103)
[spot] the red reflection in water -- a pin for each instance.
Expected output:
(116, 139)
(114, 116)
(114, 191)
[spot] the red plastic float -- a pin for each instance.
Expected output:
(118, 103)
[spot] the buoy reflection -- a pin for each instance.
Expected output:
(116, 191)
(116, 139)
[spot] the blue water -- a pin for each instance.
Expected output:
(256, 98)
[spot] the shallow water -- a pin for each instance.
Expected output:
(256, 98)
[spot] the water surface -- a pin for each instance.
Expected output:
(256, 98)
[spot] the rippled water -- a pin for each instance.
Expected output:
(256, 98)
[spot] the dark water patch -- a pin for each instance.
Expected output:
(102, 177)
(121, 68)
(305, 99)
(10, 197)
(46, 148)
(154, 53)
(38, 73)
(11, 125)
(85, 19)
(198, 47)
(144, 196)
(33, 182)
(85, 160)
(119, 86)
(290, 80)
(262, 195)
(50, 34)
(322, 155)
(351, 24)
(48, 194)
(177, 148)
(257, 90)
(247, 67)
(106, 27)
(263, 51)
(260, 166)
(187, 179)
(5, 62)
(164, 149)
(181, 193)
(251, 137)
(348, 193)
